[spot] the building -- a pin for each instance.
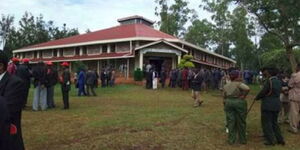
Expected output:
(128, 46)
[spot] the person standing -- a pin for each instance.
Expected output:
(112, 77)
(173, 78)
(154, 79)
(24, 72)
(163, 77)
(234, 95)
(284, 99)
(12, 67)
(4, 125)
(81, 83)
(65, 81)
(12, 89)
(39, 74)
(103, 78)
(270, 107)
(52, 78)
(184, 78)
(197, 80)
(90, 82)
(294, 96)
(149, 78)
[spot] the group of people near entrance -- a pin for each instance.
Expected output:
(87, 81)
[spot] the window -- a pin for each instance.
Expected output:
(112, 48)
(55, 53)
(104, 49)
(93, 49)
(69, 52)
(77, 51)
(84, 51)
(47, 53)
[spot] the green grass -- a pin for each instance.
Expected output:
(131, 117)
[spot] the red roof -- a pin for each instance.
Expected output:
(118, 32)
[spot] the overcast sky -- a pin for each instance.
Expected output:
(86, 14)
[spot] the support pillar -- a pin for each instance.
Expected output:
(98, 66)
(127, 72)
(141, 60)
(179, 58)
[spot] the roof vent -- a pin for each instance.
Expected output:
(135, 20)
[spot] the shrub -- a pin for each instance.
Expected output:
(138, 75)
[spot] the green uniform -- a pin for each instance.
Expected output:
(270, 107)
(236, 111)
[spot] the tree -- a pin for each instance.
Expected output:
(280, 18)
(222, 28)
(173, 17)
(6, 26)
(240, 36)
(200, 33)
(270, 42)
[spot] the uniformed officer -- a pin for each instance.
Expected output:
(270, 107)
(65, 84)
(236, 108)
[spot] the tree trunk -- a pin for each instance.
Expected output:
(291, 57)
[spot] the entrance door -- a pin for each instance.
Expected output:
(157, 63)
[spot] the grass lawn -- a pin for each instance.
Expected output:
(130, 117)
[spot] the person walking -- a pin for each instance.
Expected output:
(197, 79)
(81, 83)
(39, 73)
(163, 77)
(184, 78)
(65, 81)
(284, 99)
(90, 82)
(270, 107)
(234, 95)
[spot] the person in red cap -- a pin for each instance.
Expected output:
(24, 72)
(65, 81)
(52, 79)
(12, 66)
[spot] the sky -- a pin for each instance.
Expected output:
(87, 14)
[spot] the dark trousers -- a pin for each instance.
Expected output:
(163, 83)
(26, 91)
(50, 97)
(17, 139)
(270, 127)
(92, 87)
(65, 94)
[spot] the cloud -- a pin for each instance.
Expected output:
(84, 14)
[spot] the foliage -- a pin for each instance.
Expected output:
(270, 42)
(186, 62)
(31, 30)
(278, 59)
(173, 17)
(200, 33)
(79, 65)
(280, 18)
(138, 75)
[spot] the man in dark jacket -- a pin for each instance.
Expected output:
(65, 81)
(12, 89)
(24, 72)
(91, 78)
(52, 78)
(197, 80)
(270, 107)
(39, 74)
(4, 125)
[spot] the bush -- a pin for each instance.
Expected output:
(189, 64)
(186, 62)
(138, 75)
(187, 57)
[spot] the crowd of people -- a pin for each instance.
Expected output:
(87, 81)
(280, 94)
